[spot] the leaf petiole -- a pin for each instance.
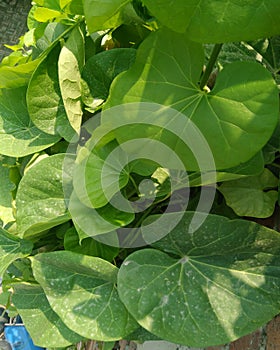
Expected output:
(210, 66)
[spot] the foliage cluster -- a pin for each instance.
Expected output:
(80, 58)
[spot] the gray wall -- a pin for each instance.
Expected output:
(13, 15)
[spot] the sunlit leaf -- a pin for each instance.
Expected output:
(18, 135)
(217, 21)
(40, 198)
(82, 291)
(205, 288)
(236, 118)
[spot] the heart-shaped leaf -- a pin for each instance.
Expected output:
(82, 291)
(48, 330)
(251, 196)
(217, 21)
(205, 288)
(19, 136)
(40, 198)
(236, 118)
(12, 248)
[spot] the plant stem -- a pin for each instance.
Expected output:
(210, 66)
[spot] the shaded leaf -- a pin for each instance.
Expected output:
(88, 246)
(6, 209)
(48, 330)
(205, 288)
(11, 249)
(101, 69)
(253, 166)
(82, 291)
(251, 196)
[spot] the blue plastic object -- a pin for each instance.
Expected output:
(19, 338)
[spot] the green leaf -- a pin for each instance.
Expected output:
(43, 14)
(11, 249)
(267, 51)
(95, 222)
(51, 4)
(44, 99)
(236, 118)
(88, 246)
(19, 136)
(52, 33)
(253, 166)
(48, 330)
(73, 6)
(40, 198)
(103, 14)
(6, 208)
(16, 76)
(205, 288)
(82, 291)
(70, 64)
(216, 21)
(101, 69)
(251, 196)
(102, 177)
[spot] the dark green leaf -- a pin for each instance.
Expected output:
(101, 69)
(251, 196)
(12, 248)
(88, 246)
(6, 209)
